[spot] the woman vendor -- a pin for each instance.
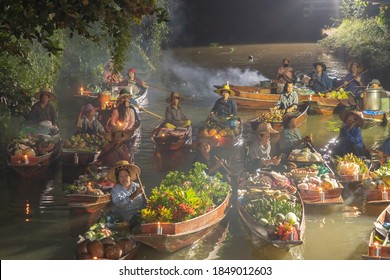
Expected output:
(43, 110)
(320, 82)
(174, 116)
(288, 99)
(206, 156)
(355, 81)
(125, 114)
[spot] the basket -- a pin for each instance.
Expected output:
(354, 178)
(88, 198)
(306, 171)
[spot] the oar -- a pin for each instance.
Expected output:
(151, 113)
(315, 151)
(142, 188)
(351, 80)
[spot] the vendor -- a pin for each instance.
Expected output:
(206, 156)
(288, 100)
(43, 110)
(174, 116)
(87, 121)
(225, 107)
(320, 82)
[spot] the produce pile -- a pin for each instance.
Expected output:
(271, 116)
(32, 145)
(304, 91)
(273, 180)
(382, 171)
(222, 128)
(85, 142)
(102, 242)
(91, 184)
(318, 183)
(350, 164)
(340, 94)
(305, 155)
(183, 196)
(277, 212)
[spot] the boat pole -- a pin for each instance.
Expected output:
(142, 188)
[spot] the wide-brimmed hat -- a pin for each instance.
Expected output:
(123, 94)
(126, 135)
(47, 91)
(173, 95)
(225, 87)
(288, 116)
(358, 116)
(133, 170)
(211, 140)
(320, 63)
(265, 127)
(375, 81)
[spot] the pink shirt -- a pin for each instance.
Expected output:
(129, 121)
(285, 75)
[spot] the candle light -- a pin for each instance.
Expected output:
(26, 161)
(106, 105)
(159, 228)
(81, 91)
(292, 236)
(377, 249)
(385, 194)
(322, 195)
(310, 97)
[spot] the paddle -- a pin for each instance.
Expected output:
(142, 188)
(149, 112)
(224, 166)
(344, 85)
(310, 146)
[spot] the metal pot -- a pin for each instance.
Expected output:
(372, 99)
(265, 84)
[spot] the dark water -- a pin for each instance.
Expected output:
(37, 224)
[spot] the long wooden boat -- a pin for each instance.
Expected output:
(375, 197)
(35, 164)
(88, 203)
(326, 105)
(278, 125)
(171, 139)
(259, 231)
(331, 197)
(380, 234)
(175, 236)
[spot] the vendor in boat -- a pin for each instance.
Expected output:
(174, 116)
(127, 196)
(320, 82)
(291, 137)
(43, 110)
(285, 74)
(288, 99)
(116, 149)
(260, 149)
(87, 121)
(355, 81)
(224, 108)
(350, 138)
(133, 80)
(206, 156)
(124, 114)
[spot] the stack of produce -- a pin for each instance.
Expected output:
(217, 129)
(351, 165)
(273, 180)
(91, 184)
(340, 94)
(85, 142)
(305, 155)
(183, 196)
(271, 116)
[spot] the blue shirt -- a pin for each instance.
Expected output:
(122, 204)
(224, 108)
(321, 83)
(354, 86)
(385, 148)
(287, 100)
(351, 140)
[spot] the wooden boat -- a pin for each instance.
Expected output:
(259, 231)
(31, 166)
(278, 125)
(175, 236)
(88, 203)
(171, 139)
(375, 197)
(331, 197)
(326, 105)
(380, 234)
(375, 116)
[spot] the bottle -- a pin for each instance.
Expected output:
(76, 159)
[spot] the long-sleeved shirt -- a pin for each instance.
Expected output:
(288, 139)
(90, 126)
(287, 100)
(224, 108)
(174, 115)
(38, 114)
(354, 86)
(122, 203)
(321, 83)
(351, 141)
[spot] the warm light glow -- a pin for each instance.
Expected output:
(162, 135)
(119, 124)
(27, 210)
(95, 258)
(26, 161)
(376, 244)
(81, 89)
(320, 189)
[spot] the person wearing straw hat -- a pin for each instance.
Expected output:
(116, 149)
(260, 149)
(174, 116)
(350, 138)
(290, 136)
(87, 121)
(288, 100)
(43, 110)
(224, 107)
(205, 155)
(126, 196)
(124, 114)
(320, 82)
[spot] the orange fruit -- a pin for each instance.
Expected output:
(212, 132)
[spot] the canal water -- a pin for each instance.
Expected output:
(36, 223)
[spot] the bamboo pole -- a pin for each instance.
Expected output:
(142, 188)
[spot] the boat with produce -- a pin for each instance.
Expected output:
(90, 192)
(379, 242)
(107, 241)
(275, 118)
(377, 186)
(30, 154)
(183, 209)
(271, 210)
(228, 133)
(171, 139)
(350, 168)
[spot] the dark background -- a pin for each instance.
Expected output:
(202, 22)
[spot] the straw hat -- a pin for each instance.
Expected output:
(288, 116)
(264, 127)
(358, 116)
(123, 94)
(133, 170)
(126, 135)
(47, 91)
(225, 87)
(320, 63)
(173, 95)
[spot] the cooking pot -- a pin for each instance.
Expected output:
(372, 98)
